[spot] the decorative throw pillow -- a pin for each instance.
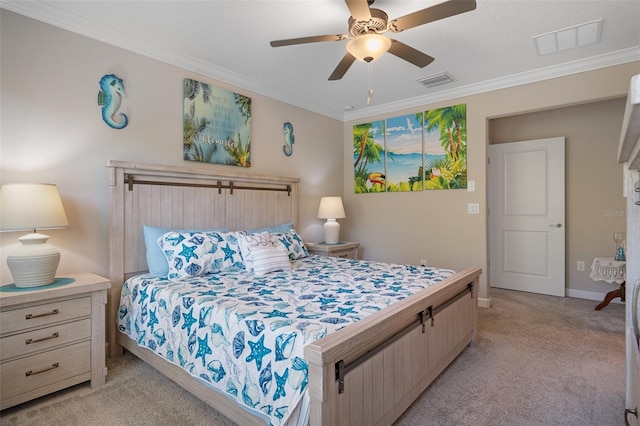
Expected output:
(292, 242)
(156, 260)
(250, 242)
(188, 254)
(270, 259)
(226, 251)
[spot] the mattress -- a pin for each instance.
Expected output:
(243, 335)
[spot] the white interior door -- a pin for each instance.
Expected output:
(526, 216)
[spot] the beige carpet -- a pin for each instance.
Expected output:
(540, 360)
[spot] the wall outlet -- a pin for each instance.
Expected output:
(423, 262)
(473, 208)
(580, 265)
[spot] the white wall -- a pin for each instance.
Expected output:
(52, 131)
(434, 225)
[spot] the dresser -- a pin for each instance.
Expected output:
(52, 337)
(346, 250)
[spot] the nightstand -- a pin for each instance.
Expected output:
(345, 250)
(51, 337)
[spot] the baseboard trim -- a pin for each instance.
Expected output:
(578, 294)
(590, 295)
(484, 303)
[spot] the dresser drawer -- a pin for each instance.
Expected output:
(44, 338)
(33, 372)
(42, 315)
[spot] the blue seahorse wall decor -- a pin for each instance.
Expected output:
(110, 97)
(289, 139)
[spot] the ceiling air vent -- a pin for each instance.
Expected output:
(436, 79)
(568, 38)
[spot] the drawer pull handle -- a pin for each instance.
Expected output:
(31, 316)
(33, 373)
(30, 341)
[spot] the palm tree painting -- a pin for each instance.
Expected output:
(445, 147)
(216, 125)
(404, 153)
(368, 157)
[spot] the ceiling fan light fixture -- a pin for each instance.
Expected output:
(368, 47)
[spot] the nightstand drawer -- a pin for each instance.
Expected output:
(43, 315)
(37, 371)
(345, 254)
(44, 338)
(344, 250)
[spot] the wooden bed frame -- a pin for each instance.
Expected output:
(367, 373)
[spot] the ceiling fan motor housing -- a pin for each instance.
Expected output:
(377, 24)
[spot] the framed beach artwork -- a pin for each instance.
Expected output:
(216, 125)
(445, 147)
(368, 157)
(414, 152)
(403, 153)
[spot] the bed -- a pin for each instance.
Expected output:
(359, 363)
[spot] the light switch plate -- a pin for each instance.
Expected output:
(471, 186)
(473, 208)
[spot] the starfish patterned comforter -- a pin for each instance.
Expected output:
(244, 335)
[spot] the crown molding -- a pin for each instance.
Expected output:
(596, 62)
(45, 12)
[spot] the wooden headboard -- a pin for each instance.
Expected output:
(184, 198)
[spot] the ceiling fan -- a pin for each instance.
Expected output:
(366, 26)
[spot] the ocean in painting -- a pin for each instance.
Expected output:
(400, 167)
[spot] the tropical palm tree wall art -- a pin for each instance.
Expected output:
(414, 152)
(216, 125)
(368, 157)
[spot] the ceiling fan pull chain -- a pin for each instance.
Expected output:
(370, 65)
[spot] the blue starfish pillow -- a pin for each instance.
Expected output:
(292, 241)
(191, 254)
(226, 250)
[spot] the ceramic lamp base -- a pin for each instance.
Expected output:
(35, 262)
(331, 231)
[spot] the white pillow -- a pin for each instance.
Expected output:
(270, 259)
(250, 242)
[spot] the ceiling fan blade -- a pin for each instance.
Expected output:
(410, 54)
(359, 9)
(303, 40)
(430, 14)
(342, 67)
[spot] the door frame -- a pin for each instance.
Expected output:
(492, 232)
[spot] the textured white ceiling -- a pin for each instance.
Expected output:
(488, 48)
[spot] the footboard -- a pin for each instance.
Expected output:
(370, 372)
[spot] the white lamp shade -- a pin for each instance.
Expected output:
(32, 206)
(368, 47)
(331, 208)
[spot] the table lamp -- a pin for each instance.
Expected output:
(32, 206)
(331, 208)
